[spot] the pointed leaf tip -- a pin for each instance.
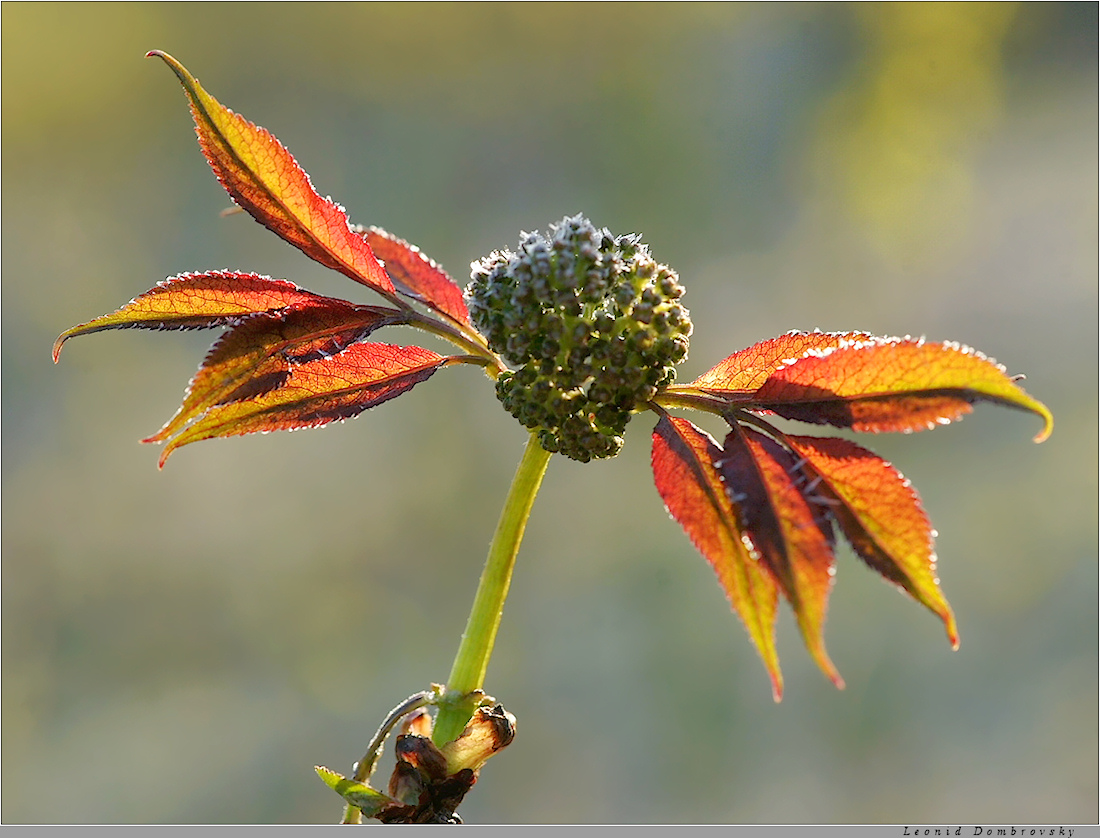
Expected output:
(265, 180)
(777, 687)
(331, 778)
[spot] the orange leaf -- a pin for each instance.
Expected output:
(256, 356)
(318, 392)
(266, 182)
(891, 384)
(197, 301)
(416, 275)
(683, 461)
(788, 533)
(881, 515)
(745, 371)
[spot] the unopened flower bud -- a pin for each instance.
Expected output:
(588, 315)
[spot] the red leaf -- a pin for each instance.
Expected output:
(792, 536)
(881, 515)
(891, 384)
(256, 356)
(197, 301)
(683, 461)
(745, 371)
(318, 392)
(416, 275)
(266, 182)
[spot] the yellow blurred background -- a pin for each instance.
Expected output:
(183, 646)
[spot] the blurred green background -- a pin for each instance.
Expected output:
(184, 646)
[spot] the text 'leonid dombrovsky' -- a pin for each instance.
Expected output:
(989, 831)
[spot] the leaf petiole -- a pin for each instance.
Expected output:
(692, 398)
(464, 338)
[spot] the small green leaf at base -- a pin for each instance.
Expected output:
(363, 797)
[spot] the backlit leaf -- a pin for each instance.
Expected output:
(266, 182)
(891, 384)
(197, 301)
(318, 392)
(360, 795)
(416, 275)
(881, 515)
(256, 356)
(683, 459)
(789, 533)
(746, 370)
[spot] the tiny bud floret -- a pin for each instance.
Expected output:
(593, 324)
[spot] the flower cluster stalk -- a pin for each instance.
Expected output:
(472, 660)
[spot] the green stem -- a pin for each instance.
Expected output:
(468, 672)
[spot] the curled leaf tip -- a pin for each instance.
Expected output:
(57, 344)
(1048, 423)
(189, 82)
(177, 68)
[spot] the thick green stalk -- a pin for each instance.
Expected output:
(468, 671)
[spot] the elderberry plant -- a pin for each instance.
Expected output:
(581, 330)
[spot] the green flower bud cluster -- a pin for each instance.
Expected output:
(593, 324)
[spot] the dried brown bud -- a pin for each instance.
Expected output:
(488, 731)
(421, 753)
(428, 783)
(406, 783)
